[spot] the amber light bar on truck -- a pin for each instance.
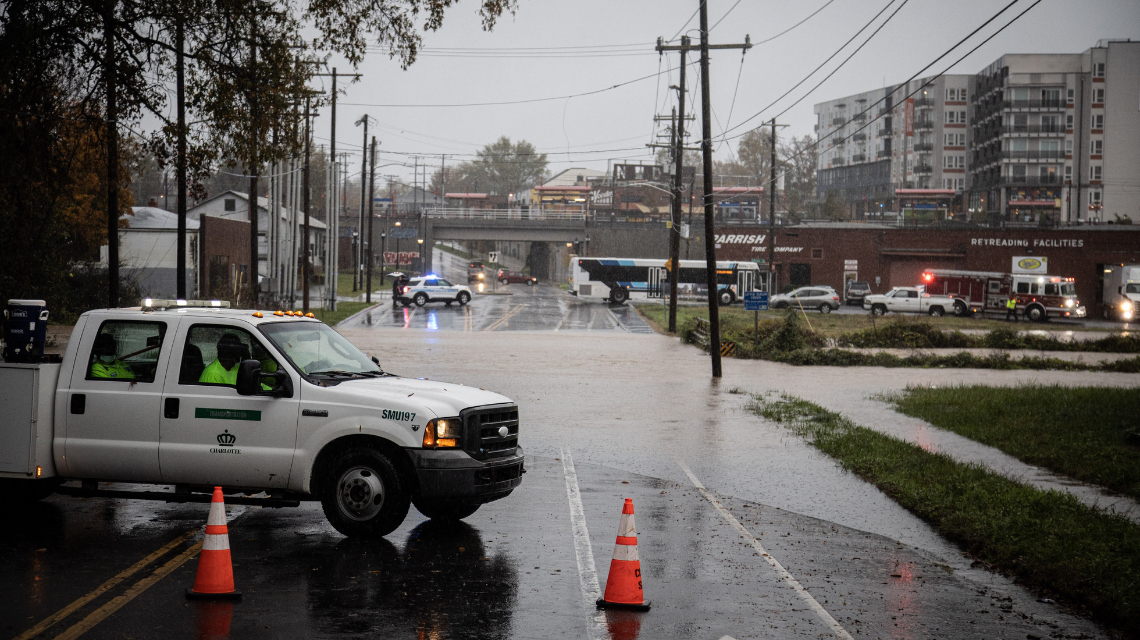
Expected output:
(443, 433)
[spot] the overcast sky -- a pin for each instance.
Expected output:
(555, 49)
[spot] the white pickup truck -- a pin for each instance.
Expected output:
(909, 300)
(275, 408)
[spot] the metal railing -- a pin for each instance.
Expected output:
(924, 123)
(1034, 154)
(559, 215)
(924, 146)
(1034, 104)
(1031, 180)
(1034, 128)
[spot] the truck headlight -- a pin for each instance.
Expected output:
(1126, 306)
(1069, 302)
(443, 433)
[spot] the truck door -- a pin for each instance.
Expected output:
(212, 435)
(112, 408)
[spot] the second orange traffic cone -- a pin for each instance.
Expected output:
(623, 586)
(215, 577)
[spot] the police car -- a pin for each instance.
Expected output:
(432, 288)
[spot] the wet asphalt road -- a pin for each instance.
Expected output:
(629, 408)
(509, 571)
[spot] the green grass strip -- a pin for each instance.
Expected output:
(1085, 433)
(1047, 540)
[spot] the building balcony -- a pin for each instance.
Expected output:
(924, 103)
(1034, 104)
(835, 122)
(884, 132)
(923, 168)
(859, 157)
(883, 153)
(859, 137)
(1033, 129)
(1034, 154)
(924, 146)
(923, 123)
(838, 162)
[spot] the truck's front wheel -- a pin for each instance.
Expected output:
(443, 510)
(364, 495)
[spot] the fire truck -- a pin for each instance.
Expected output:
(1039, 297)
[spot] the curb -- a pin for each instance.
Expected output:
(353, 316)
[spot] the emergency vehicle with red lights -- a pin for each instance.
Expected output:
(1038, 297)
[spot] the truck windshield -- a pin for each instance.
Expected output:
(1068, 289)
(316, 349)
(1133, 287)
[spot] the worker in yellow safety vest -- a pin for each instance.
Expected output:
(1011, 308)
(105, 362)
(224, 368)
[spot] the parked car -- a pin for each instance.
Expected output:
(507, 276)
(909, 300)
(823, 298)
(856, 289)
(475, 271)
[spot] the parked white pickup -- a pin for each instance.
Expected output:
(909, 300)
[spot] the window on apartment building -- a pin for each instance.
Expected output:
(1050, 124)
(1096, 147)
(230, 204)
(1019, 94)
(1094, 172)
(956, 94)
(1069, 96)
(1068, 172)
(955, 139)
(1098, 121)
(1098, 96)
(1048, 174)
(1094, 196)
(1051, 97)
(1098, 70)
(1069, 122)
(953, 162)
(1050, 149)
(1069, 147)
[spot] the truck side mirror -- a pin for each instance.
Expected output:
(249, 377)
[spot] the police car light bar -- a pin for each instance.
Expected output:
(157, 303)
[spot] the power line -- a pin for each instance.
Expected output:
(508, 102)
(821, 65)
(826, 5)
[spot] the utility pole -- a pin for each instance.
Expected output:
(772, 218)
(254, 257)
(180, 161)
(359, 257)
(333, 220)
(707, 167)
(678, 161)
(371, 188)
(306, 270)
(111, 85)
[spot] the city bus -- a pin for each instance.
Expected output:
(619, 279)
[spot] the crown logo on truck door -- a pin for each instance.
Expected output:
(226, 439)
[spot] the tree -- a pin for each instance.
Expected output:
(833, 207)
(798, 161)
(503, 167)
(755, 153)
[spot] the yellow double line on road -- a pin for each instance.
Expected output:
(100, 614)
(505, 320)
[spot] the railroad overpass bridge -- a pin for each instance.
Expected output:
(511, 225)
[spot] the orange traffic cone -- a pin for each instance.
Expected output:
(215, 578)
(623, 586)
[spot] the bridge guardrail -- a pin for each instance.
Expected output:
(506, 214)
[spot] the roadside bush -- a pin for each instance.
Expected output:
(907, 334)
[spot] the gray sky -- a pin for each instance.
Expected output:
(552, 49)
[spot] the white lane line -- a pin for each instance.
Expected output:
(587, 573)
(839, 631)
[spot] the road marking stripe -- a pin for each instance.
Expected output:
(587, 573)
(511, 312)
(101, 589)
(137, 588)
(838, 630)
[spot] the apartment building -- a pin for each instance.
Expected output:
(1055, 138)
(896, 148)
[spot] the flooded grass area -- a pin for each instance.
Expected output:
(794, 338)
(1091, 434)
(835, 325)
(1049, 541)
(346, 309)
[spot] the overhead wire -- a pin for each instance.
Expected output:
(812, 15)
(510, 102)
